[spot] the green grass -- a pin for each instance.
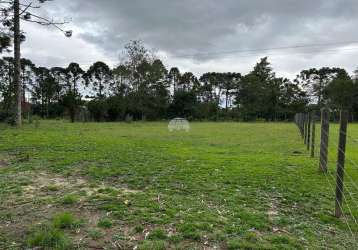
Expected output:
(223, 185)
(69, 199)
(65, 220)
(95, 234)
(49, 238)
(105, 223)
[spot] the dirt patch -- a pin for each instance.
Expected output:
(44, 180)
(272, 212)
(3, 164)
(93, 190)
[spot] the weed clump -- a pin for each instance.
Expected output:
(152, 245)
(105, 223)
(47, 237)
(95, 234)
(65, 221)
(157, 234)
(50, 188)
(69, 199)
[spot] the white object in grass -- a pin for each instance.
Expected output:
(178, 124)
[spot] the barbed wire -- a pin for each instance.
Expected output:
(343, 214)
(348, 188)
(347, 158)
(345, 185)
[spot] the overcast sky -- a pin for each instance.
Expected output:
(195, 35)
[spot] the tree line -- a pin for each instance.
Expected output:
(142, 88)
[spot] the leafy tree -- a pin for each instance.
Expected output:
(27, 76)
(314, 81)
(159, 90)
(12, 12)
(98, 80)
(184, 104)
(137, 57)
(146, 82)
(6, 87)
(60, 76)
(74, 75)
(174, 78)
(207, 89)
(71, 102)
(229, 85)
(121, 80)
(188, 82)
(45, 90)
(257, 93)
(292, 99)
(340, 91)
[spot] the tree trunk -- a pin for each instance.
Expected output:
(226, 101)
(17, 63)
(47, 108)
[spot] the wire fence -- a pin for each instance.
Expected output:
(335, 149)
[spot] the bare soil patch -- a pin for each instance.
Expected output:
(3, 164)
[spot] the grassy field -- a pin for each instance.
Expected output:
(125, 186)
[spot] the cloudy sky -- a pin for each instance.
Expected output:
(202, 35)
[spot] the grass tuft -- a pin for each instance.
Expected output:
(157, 234)
(65, 220)
(95, 234)
(69, 199)
(47, 237)
(105, 223)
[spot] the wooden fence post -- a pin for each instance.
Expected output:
(300, 124)
(324, 140)
(340, 162)
(305, 127)
(313, 139)
(309, 118)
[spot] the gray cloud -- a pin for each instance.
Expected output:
(186, 27)
(192, 26)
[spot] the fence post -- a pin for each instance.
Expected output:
(340, 162)
(303, 125)
(313, 139)
(324, 140)
(309, 118)
(305, 128)
(300, 123)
